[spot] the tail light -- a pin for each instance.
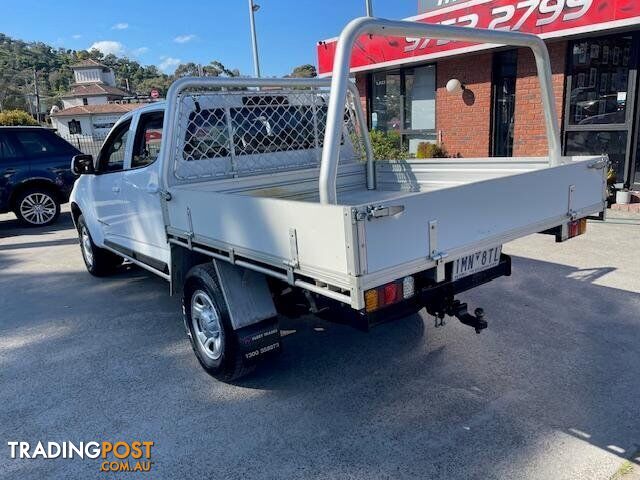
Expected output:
(577, 227)
(388, 294)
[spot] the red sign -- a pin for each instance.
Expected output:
(547, 18)
(155, 93)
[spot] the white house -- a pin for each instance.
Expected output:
(93, 105)
(89, 121)
(94, 84)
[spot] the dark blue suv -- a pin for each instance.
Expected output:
(35, 173)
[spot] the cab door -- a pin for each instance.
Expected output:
(106, 185)
(144, 227)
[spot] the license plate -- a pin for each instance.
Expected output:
(476, 262)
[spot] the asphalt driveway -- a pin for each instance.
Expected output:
(550, 390)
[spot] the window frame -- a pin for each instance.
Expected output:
(137, 138)
(77, 127)
(119, 129)
(405, 133)
(631, 114)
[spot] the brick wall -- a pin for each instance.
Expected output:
(529, 131)
(465, 119)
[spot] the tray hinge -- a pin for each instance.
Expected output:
(293, 262)
(190, 233)
(570, 211)
(435, 254)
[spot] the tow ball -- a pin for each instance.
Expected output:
(454, 308)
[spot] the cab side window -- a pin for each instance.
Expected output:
(148, 140)
(112, 153)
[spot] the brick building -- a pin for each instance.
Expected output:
(595, 53)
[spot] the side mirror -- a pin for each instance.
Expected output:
(82, 165)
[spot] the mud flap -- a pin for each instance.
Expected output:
(259, 340)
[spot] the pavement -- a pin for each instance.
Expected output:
(549, 390)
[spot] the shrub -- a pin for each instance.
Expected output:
(387, 146)
(16, 117)
(431, 150)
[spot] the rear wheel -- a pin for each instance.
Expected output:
(209, 327)
(37, 207)
(99, 262)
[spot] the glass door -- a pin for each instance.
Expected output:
(505, 71)
(404, 101)
(601, 99)
(386, 102)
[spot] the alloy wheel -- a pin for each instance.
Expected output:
(38, 208)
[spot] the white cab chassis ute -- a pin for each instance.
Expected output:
(258, 197)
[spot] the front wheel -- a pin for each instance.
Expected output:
(99, 262)
(209, 326)
(37, 207)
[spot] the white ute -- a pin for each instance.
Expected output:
(259, 197)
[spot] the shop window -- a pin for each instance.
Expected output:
(599, 104)
(588, 142)
(404, 101)
(600, 80)
(420, 106)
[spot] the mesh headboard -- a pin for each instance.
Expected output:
(222, 134)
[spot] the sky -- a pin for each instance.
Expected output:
(166, 33)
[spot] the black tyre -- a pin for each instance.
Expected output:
(99, 262)
(209, 327)
(37, 207)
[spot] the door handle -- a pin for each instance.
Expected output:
(115, 189)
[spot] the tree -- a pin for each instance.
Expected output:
(16, 117)
(55, 76)
(160, 83)
(304, 71)
(214, 69)
(187, 70)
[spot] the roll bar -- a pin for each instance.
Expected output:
(378, 26)
(185, 83)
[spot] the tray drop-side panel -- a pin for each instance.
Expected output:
(472, 213)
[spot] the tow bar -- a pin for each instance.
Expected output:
(454, 308)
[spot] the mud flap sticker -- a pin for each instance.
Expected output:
(259, 340)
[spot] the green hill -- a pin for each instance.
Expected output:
(19, 59)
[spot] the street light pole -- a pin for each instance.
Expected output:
(253, 8)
